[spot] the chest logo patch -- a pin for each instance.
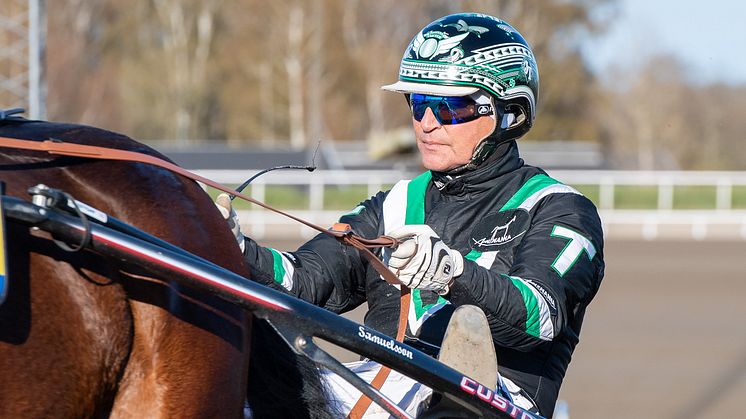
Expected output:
(500, 231)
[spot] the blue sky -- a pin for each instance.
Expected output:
(709, 36)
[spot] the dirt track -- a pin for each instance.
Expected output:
(665, 337)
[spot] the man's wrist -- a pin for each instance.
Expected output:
(458, 263)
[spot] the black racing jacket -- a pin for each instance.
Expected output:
(533, 251)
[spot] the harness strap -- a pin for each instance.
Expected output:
(104, 153)
(363, 403)
(343, 232)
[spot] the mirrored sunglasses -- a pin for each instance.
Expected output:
(448, 110)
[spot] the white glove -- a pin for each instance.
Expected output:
(423, 261)
(223, 202)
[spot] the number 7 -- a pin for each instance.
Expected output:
(570, 254)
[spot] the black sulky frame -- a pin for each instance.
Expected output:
(296, 320)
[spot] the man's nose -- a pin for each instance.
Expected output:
(429, 121)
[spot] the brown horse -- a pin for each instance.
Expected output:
(82, 336)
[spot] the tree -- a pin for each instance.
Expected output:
(663, 120)
(291, 70)
(81, 74)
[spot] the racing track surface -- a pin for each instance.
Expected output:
(664, 338)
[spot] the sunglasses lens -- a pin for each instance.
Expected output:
(448, 110)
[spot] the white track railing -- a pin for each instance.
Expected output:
(723, 222)
(665, 181)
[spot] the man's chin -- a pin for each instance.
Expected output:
(440, 160)
(437, 165)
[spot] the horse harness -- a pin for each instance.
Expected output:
(340, 231)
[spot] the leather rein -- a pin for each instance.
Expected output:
(341, 232)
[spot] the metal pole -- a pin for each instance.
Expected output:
(37, 35)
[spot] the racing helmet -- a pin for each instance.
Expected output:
(459, 54)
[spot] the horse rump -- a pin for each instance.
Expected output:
(79, 338)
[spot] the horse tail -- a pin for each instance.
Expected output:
(282, 383)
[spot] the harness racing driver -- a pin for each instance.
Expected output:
(478, 228)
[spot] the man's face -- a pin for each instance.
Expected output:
(445, 147)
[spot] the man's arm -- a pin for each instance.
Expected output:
(558, 265)
(323, 271)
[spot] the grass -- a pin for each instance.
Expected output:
(635, 197)
(694, 197)
(342, 198)
(739, 197)
(298, 197)
(281, 196)
(646, 197)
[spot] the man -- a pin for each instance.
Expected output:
(478, 228)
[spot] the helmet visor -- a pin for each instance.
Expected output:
(448, 110)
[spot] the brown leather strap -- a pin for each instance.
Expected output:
(363, 403)
(104, 153)
(342, 232)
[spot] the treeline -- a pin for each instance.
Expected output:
(291, 72)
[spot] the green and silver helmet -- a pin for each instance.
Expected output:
(461, 53)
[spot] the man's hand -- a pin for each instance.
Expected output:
(423, 261)
(223, 202)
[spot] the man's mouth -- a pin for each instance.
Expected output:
(431, 142)
(431, 146)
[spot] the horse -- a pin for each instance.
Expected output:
(83, 336)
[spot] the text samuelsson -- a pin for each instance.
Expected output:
(387, 343)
